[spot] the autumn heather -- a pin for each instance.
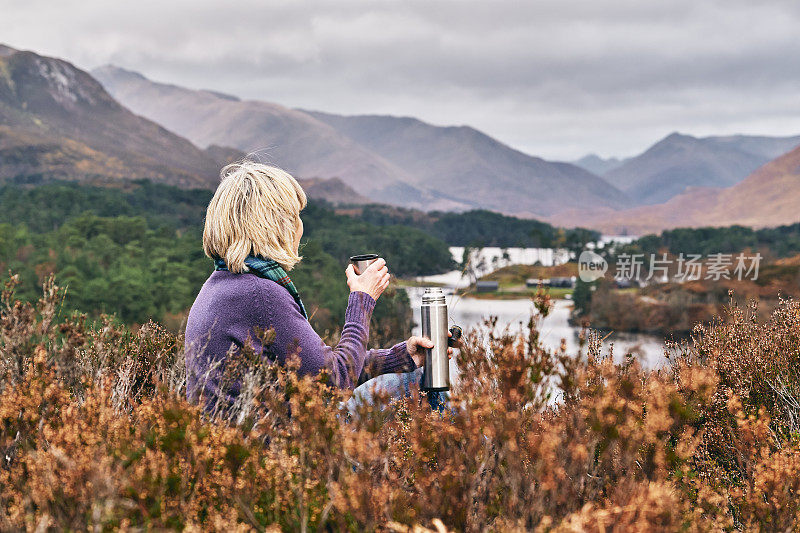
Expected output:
(95, 432)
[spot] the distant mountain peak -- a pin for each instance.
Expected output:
(111, 73)
(291, 139)
(224, 96)
(676, 139)
(598, 165)
(766, 198)
(6, 51)
(109, 69)
(677, 135)
(45, 84)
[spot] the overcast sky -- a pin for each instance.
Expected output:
(557, 79)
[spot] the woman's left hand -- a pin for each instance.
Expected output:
(416, 348)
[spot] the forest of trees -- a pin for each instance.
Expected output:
(135, 251)
(481, 228)
(782, 241)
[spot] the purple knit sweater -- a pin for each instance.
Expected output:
(230, 306)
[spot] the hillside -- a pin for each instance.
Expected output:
(332, 190)
(293, 140)
(770, 196)
(472, 167)
(56, 121)
(679, 162)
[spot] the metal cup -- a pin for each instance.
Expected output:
(361, 262)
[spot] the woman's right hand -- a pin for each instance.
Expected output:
(373, 280)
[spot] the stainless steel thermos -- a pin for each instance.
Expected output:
(436, 373)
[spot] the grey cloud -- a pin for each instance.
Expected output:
(553, 78)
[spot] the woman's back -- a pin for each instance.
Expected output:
(223, 318)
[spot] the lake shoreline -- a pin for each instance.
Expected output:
(555, 329)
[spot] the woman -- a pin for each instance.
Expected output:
(252, 231)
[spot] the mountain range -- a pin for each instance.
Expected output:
(59, 122)
(468, 165)
(770, 196)
(396, 160)
(420, 165)
(678, 162)
(269, 132)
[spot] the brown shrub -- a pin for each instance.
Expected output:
(95, 432)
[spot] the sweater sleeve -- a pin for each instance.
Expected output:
(294, 335)
(387, 361)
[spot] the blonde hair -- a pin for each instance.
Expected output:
(255, 210)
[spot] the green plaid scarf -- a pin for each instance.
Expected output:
(269, 269)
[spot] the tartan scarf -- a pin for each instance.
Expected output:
(269, 269)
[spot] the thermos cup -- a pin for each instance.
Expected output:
(361, 262)
(436, 373)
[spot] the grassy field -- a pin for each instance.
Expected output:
(517, 274)
(511, 281)
(511, 292)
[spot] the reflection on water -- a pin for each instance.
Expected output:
(471, 312)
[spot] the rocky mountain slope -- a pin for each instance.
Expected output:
(57, 121)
